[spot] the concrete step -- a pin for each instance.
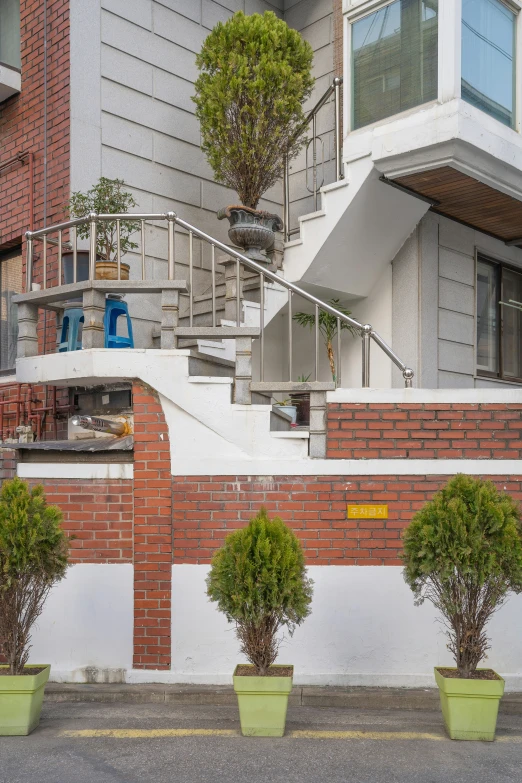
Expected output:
(202, 364)
(216, 332)
(292, 386)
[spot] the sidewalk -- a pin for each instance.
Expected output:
(302, 696)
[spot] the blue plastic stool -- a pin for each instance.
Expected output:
(69, 337)
(114, 308)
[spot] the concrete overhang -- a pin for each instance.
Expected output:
(10, 82)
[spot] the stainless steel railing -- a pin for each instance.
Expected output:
(366, 331)
(335, 90)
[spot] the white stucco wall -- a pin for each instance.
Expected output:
(86, 628)
(364, 630)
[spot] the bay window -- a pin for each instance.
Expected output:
(488, 58)
(394, 60)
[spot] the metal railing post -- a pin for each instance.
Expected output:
(171, 217)
(29, 262)
(366, 338)
(314, 158)
(339, 173)
(92, 247)
(286, 199)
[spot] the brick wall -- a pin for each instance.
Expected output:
(429, 431)
(152, 532)
(97, 514)
(22, 123)
(207, 509)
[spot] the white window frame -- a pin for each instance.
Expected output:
(449, 54)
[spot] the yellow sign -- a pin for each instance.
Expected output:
(367, 512)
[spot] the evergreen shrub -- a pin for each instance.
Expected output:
(463, 552)
(255, 74)
(33, 557)
(258, 579)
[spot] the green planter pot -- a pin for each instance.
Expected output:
(262, 704)
(21, 698)
(470, 707)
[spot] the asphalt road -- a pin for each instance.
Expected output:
(330, 745)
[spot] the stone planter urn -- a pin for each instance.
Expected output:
(252, 230)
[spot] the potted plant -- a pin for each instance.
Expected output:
(328, 329)
(463, 552)
(107, 197)
(258, 579)
(301, 400)
(33, 557)
(255, 74)
(287, 407)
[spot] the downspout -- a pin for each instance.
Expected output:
(45, 157)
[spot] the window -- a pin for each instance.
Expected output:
(10, 33)
(488, 58)
(499, 321)
(10, 284)
(394, 60)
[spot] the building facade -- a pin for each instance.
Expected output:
(408, 218)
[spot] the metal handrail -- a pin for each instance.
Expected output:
(311, 117)
(365, 330)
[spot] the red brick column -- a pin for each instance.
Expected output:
(152, 532)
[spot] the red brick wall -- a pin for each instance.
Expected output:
(97, 514)
(22, 123)
(152, 532)
(207, 509)
(430, 431)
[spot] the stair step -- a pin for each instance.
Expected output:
(202, 364)
(292, 386)
(217, 332)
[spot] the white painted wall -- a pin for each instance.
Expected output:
(87, 622)
(364, 630)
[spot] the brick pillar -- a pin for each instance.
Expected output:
(152, 532)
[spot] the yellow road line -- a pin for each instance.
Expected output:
(368, 735)
(297, 734)
(150, 733)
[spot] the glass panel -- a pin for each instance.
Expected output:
(10, 33)
(10, 284)
(487, 317)
(511, 325)
(488, 58)
(394, 60)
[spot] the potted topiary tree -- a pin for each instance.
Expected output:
(463, 552)
(107, 197)
(255, 74)
(33, 557)
(258, 579)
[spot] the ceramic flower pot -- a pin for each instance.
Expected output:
(469, 707)
(108, 270)
(251, 230)
(21, 698)
(263, 702)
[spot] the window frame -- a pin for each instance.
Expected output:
(354, 15)
(499, 267)
(7, 254)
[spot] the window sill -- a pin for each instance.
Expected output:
(502, 381)
(10, 82)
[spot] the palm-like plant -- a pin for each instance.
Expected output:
(327, 328)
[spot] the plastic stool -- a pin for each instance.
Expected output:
(114, 308)
(72, 318)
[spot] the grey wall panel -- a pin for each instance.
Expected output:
(138, 12)
(456, 266)
(126, 70)
(457, 327)
(456, 296)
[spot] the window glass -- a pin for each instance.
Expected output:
(511, 325)
(488, 58)
(487, 317)
(10, 284)
(10, 33)
(394, 60)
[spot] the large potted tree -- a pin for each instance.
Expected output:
(463, 552)
(106, 197)
(33, 557)
(259, 581)
(255, 74)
